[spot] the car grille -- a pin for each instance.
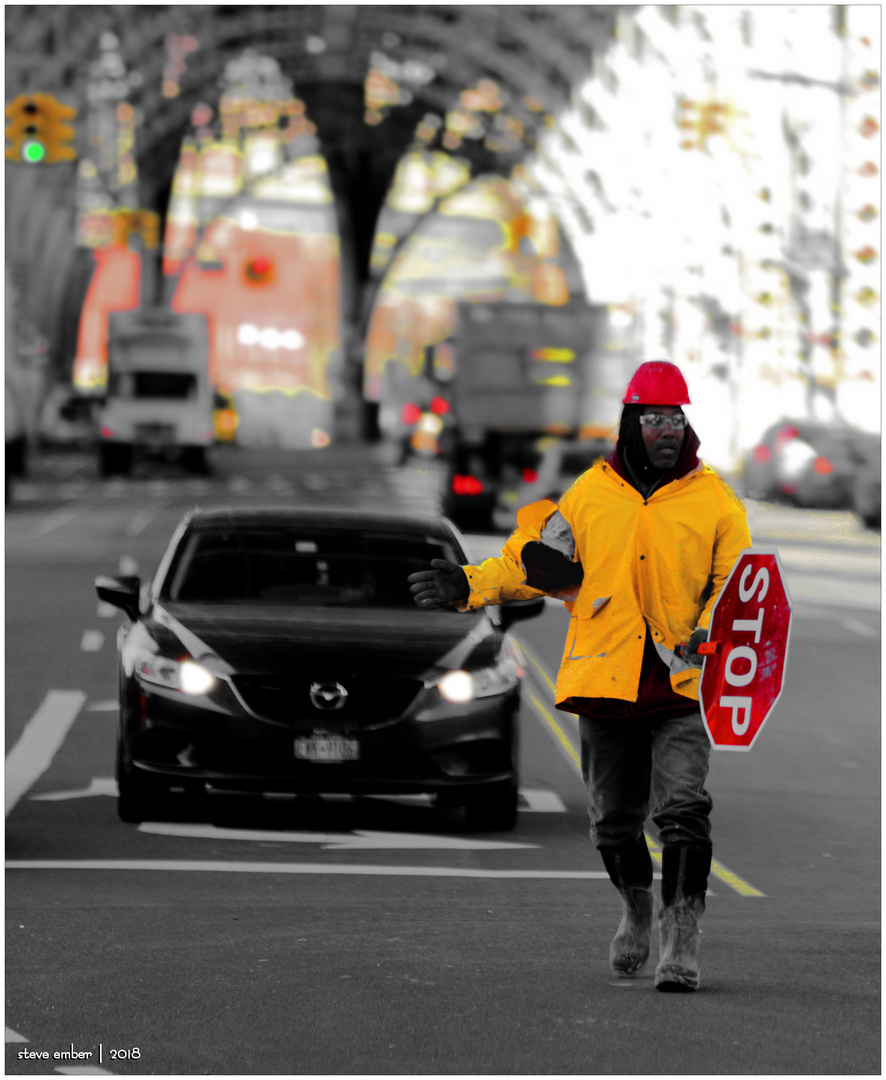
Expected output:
(287, 699)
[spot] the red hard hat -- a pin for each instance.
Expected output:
(657, 382)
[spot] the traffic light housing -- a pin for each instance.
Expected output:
(141, 223)
(38, 132)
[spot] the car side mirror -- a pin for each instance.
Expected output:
(120, 592)
(517, 610)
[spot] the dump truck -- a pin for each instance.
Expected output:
(159, 400)
(520, 376)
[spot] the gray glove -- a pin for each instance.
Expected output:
(690, 653)
(439, 587)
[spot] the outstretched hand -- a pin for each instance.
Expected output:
(444, 584)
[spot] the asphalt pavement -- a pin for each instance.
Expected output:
(378, 936)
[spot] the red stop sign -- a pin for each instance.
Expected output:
(750, 624)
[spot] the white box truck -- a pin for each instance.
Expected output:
(159, 400)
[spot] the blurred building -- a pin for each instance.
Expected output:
(719, 172)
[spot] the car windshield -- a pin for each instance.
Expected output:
(286, 566)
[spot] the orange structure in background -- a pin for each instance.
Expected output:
(115, 286)
(266, 274)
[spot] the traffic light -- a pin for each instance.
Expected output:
(37, 131)
(142, 223)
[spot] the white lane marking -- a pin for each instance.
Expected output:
(239, 485)
(81, 1070)
(542, 802)
(92, 641)
(106, 610)
(858, 627)
(43, 735)
(140, 522)
(535, 802)
(60, 517)
(99, 785)
(128, 566)
(13, 1036)
(103, 706)
(359, 840)
(303, 868)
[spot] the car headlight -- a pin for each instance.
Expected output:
(188, 676)
(459, 687)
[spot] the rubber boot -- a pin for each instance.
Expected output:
(630, 870)
(684, 877)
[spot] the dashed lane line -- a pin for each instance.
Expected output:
(140, 522)
(723, 873)
(91, 641)
(856, 626)
(42, 736)
(54, 521)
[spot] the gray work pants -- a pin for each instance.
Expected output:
(634, 767)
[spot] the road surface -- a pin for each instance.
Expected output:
(377, 936)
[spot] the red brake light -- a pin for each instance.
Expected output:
(411, 413)
(530, 476)
(822, 466)
(107, 433)
(784, 435)
(439, 405)
(466, 485)
(762, 454)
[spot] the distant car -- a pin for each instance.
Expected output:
(281, 651)
(560, 464)
(807, 463)
(866, 484)
(67, 420)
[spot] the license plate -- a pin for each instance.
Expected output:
(156, 436)
(326, 748)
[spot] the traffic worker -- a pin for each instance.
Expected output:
(638, 549)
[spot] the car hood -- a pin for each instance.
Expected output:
(254, 639)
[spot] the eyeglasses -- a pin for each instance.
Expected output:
(656, 421)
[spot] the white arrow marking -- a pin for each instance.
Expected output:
(537, 802)
(360, 840)
(106, 610)
(13, 1036)
(542, 802)
(99, 785)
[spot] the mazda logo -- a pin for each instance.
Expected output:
(328, 695)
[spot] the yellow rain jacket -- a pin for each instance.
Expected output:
(658, 562)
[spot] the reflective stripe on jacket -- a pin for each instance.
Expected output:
(658, 562)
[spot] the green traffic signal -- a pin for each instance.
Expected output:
(33, 152)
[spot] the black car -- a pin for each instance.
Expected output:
(280, 650)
